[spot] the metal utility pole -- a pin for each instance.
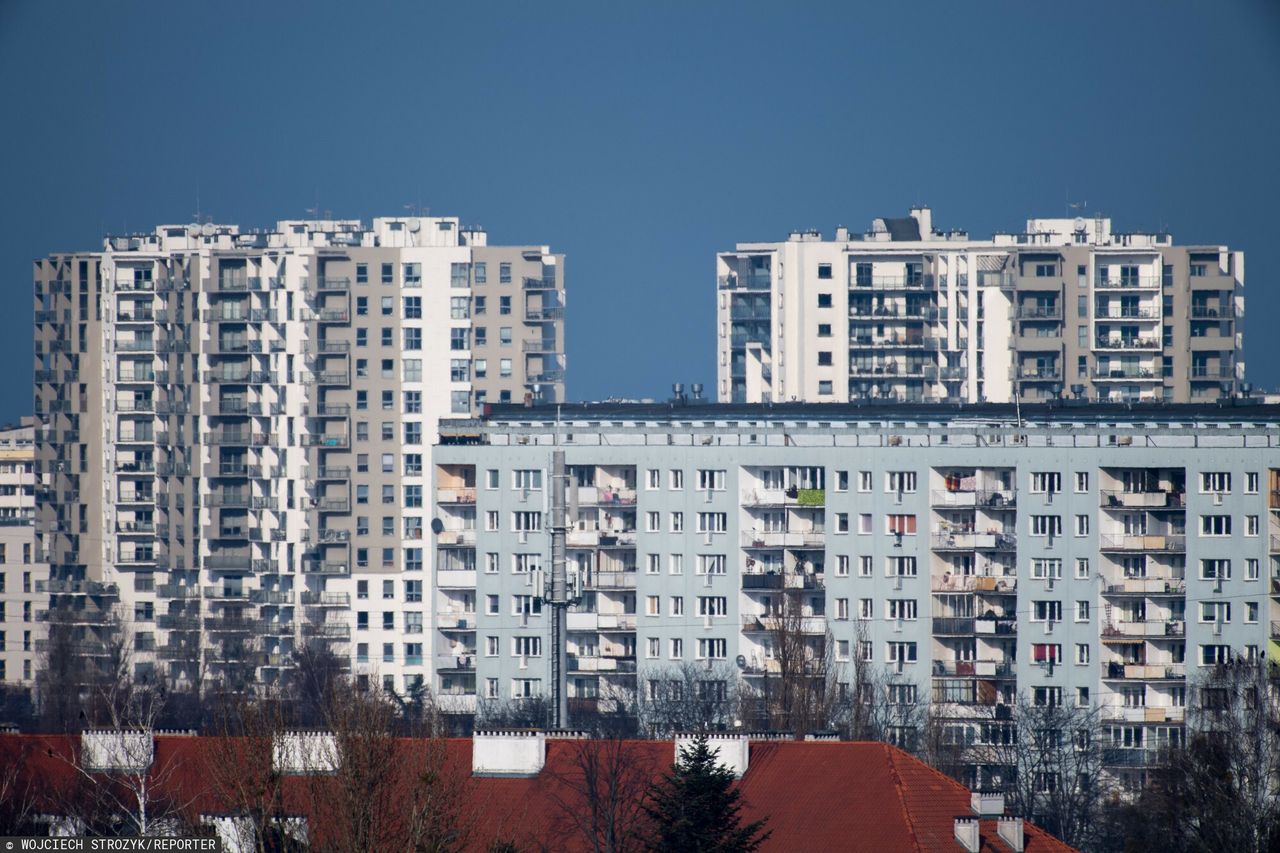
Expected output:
(557, 594)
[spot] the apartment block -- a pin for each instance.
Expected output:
(23, 578)
(1096, 555)
(236, 426)
(1068, 308)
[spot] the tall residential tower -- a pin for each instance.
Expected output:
(1068, 308)
(238, 428)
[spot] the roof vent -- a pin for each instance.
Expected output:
(986, 803)
(1010, 829)
(733, 751)
(967, 833)
(508, 752)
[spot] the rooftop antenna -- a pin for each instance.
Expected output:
(558, 593)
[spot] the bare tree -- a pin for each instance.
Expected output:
(19, 792)
(601, 796)
(379, 796)
(1047, 760)
(125, 788)
(242, 774)
(799, 691)
(687, 697)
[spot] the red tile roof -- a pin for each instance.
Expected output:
(816, 795)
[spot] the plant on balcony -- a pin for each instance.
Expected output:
(811, 497)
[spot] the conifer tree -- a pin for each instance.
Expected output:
(697, 809)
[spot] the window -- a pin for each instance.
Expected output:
(900, 525)
(1046, 270)
(653, 522)
(1046, 697)
(842, 565)
(713, 648)
(677, 605)
(1215, 570)
(1046, 569)
(1082, 611)
(902, 608)
(362, 273)
(362, 337)
(710, 480)
(1082, 525)
(504, 367)
(1046, 525)
(481, 270)
(458, 339)
(504, 273)
(1046, 611)
(652, 479)
(653, 605)
(712, 564)
(1082, 653)
(1250, 525)
(1251, 612)
(866, 608)
(504, 304)
(824, 358)
(676, 564)
(526, 521)
(900, 482)
(653, 647)
(1046, 482)
(842, 481)
(1213, 654)
(413, 402)
(526, 646)
(676, 479)
(388, 273)
(842, 608)
(824, 300)
(653, 564)
(677, 522)
(504, 336)
(1215, 525)
(1215, 481)
(1251, 483)
(1215, 611)
(824, 330)
(1082, 482)
(865, 522)
(712, 605)
(526, 479)
(864, 481)
(824, 270)
(713, 522)
(675, 649)
(897, 652)
(1251, 569)
(901, 567)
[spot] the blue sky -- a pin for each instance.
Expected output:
(639, 139)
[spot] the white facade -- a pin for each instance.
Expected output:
(911, 313)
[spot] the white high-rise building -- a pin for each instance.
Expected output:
(238, 429)
(912, 313)
(22, 575)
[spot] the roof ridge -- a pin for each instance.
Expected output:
(902, 800)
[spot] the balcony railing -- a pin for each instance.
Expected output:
(1157, 499)
(1126, 542)
(1139, 282)
(1127, 343)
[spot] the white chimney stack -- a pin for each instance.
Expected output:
(1011, 830)
(967, 834)
(733, 751)
(508, 753)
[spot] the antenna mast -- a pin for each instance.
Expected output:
(557, 593)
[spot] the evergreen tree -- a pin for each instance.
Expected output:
(696, 809)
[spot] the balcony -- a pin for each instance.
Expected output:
(1040, 373)
(326, 599)
(333, 472)
(448, 621)
(241, 439)
(545, 346)
(1004, 585)
(1032, 311)
(971, 541)
(1125, 374)
(538, 284)
(1149, 628)
(891, 282)
(465, 538)
(1145, 587)
(1134, 282)
(617, 621)
(1212, 312)
(325, 441)
(1120, 342)
(944, 625)
(234, 284)
(976, 668)
(327, 284)
(333, 505)
(1124, 542)
(1206, 373)
(333, 315)
(455, 496)
(333, 378)
(544, 315)
(1145, 672)
(612, 580)
(1112, 499)
(325, 567)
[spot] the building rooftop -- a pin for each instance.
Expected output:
(835, 795)
(1066, 411)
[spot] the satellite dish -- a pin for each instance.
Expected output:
(1079, 223)
(415, 225)
(742, 661)
(437, 526)
(207, 229)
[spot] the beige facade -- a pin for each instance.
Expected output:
(239, 424)
(23, 578)
(912, 313)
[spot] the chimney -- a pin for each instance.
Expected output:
(508, 753)
(1010, 829)
(986, 803)
(733, 751)
(924, 217)
(842, 234)
(967, 833)
(301, 753)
